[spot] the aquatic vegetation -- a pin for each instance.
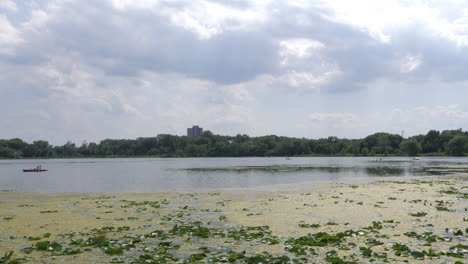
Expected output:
(114, 251)
(366, 252)
(451, 190)
(249, 233)
(458, 251)
(66, 251)
(153, 204)
(401, 249)
(181, 231)
(48, 211)
(193, 230)
(6, 257)
(373, 242)
(46, 245)
(96, 241)
(443, 209)
(375, 225)
(320, 239)
(303, 225)
(418, 214)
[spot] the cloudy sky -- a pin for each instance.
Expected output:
(89, 70)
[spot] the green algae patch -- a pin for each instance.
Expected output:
(418, 214)
(288, 226)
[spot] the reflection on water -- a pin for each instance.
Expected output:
(365, 171)
(146, 175)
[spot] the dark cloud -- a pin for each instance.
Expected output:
(124, 42)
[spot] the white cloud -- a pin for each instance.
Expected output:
(8, 4)
(410, 63)
(207, 19)
(336, 119)
(421, 119)
(204, 18)
(238, 91)
(299, 47)
(304, 65)
(9, 36)
(310, 81)
(140, 4)
(371, 16)
(36, 22)
(44, 114)
(381, 19)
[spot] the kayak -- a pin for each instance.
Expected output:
(33, 170)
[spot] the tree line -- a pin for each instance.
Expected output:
(447, 142)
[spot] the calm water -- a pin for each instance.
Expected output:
(194, 174)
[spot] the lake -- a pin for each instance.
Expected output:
(201, 174)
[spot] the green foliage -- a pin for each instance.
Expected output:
(453, 142)
(6, 257)
(418, 214)
(456, 146)
(6, 152)
(114, 251)
(431, 142)
(411, 146)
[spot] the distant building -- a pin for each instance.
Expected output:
(194, 131)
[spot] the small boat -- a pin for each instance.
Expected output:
(34, 170)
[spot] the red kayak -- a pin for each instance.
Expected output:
(33, 170)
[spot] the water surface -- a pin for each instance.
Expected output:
(199, 174)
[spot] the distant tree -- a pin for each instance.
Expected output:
(41, 148)
(411, 146)
(353, 147)
(6, 152)
(153, 152)
(241, 138)
(456, 146)
(323, 147)
(15, 144)
(67, 150)
(365, 151)
(395, 141)
(381, 143)
(431, 142)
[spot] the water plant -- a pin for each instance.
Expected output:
(418, 214)
(303, 225)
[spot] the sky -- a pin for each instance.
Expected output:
(75, 70)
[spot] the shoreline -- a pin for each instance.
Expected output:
(380, 219)
(231, 157)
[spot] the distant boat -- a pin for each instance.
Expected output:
(34, 170)
(415, 158)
